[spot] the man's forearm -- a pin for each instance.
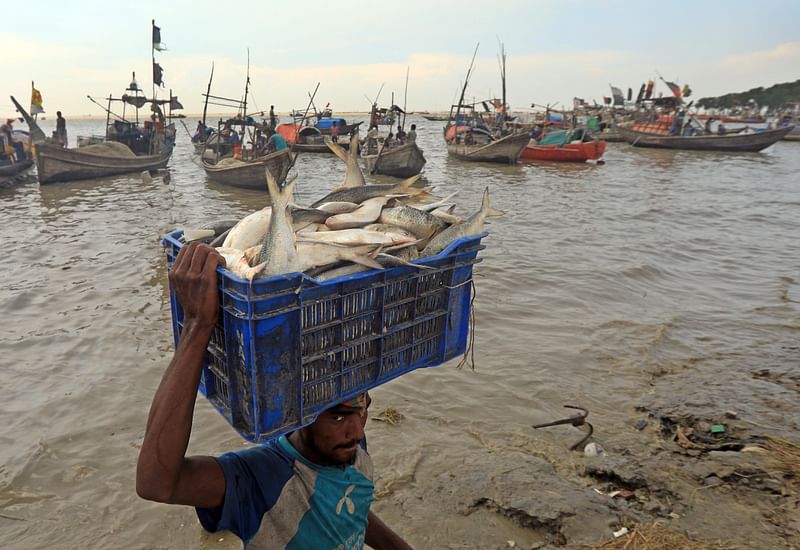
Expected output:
(169, 424)
(380, 537)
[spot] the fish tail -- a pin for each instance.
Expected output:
(488, 210)
(337, 149)
(281, 198)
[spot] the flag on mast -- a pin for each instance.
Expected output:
(36, 101)
(157, 44)
(158, 75)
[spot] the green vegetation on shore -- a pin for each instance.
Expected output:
(776, 97)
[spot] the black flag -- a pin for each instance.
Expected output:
(158, 74)
(174, 103)
(157, 45)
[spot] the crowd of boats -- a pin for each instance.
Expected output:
(239, 148)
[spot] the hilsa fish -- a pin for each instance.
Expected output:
(279, 252)
(471, 226)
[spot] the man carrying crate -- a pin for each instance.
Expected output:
(311, 489)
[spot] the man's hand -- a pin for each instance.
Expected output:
(194, 278)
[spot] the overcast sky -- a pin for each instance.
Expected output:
(556, 49)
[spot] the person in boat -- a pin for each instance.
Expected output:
(371, 141)
(273, 120)
(335, 131)
(401, 135)
(200, 133)
(537, 132)
(469, 137)
(389, 141)
(312, 488)
(276, 142)
(721, 129)
(373, 117)
(707, 126)
(261, 143)
(61, 129)
(11, 145)
(411, 137)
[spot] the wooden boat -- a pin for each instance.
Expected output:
(561, 147)
(248, 174)
(638, 135)
(792, 135)
(471, 137)
(56, 163)
(506, 149)
(14, 172)
(400, 161)
(442, 118)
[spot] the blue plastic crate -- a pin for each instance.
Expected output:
(288, 347)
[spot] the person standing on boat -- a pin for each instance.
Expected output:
(273, 120)
(61, 129)
(335, 132)
(401, 135)
(411, 137)
(312, 488)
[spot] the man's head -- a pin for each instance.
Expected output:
(58, 113)
(413, 126)
(333, 439)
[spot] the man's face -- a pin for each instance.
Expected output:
(334, 438)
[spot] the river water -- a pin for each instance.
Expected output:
(660, 288)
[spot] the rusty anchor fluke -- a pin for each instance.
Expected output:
(574, 420)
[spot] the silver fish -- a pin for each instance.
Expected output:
(338, 207)
(422, 224)
(472, 226)
(250, 230)
(278, 251)
(354, 237)
(431, 206)
(368, 212)
(360, 194)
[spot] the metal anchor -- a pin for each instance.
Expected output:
(574, 420)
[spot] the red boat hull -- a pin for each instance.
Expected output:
(570, 152)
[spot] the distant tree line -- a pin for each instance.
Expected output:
(776, 97)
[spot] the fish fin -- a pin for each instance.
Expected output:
(401, 246)
(406, 184)
(251, 254)
(366, 261)
(337, 149)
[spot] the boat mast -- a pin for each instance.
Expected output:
(464, 89)
(405, 99)
(153, 56)
(502, 60)
(246, 86)
(208, 91)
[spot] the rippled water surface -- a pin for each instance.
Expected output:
(598, 282)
